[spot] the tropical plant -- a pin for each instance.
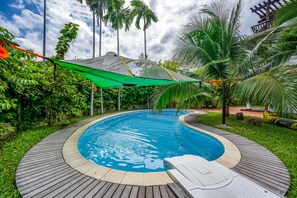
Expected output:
(142, 11)
(118, 17)
(287, 13)
(69, 33)
(29, 92)
(212, 39)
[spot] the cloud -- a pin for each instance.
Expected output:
(28, 20)
(18, 5)
(161, 36)
(4, 22)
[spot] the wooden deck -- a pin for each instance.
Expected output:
(44, 173)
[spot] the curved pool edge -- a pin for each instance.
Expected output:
(74, 159)
(231, 155)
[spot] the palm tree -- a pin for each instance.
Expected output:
(142, 11)
(118, 17)
(212, 40)
(100, 10)
(93, 4)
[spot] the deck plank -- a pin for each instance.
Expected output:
(80, 188)
(119, 191)
(149, 192)
(164, 193)
(103, 190)
(156, 192)
(178, 191)
(65, 186)
(128, 191)
(111, 191)
(141, 192)
(93, 192)
(90, 187)
(57, 186)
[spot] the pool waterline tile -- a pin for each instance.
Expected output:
(229, 159)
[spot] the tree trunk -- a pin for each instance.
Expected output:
(145, 55)
(227, 110)
(100, 51)
(100, 35)
(92, 89)
(44, 28)
(118, 41)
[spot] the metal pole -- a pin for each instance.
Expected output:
(223, 103)
(119, 99)
(92, 92)
(101, 91)
(44, 28)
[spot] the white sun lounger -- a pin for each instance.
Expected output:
(201, 178)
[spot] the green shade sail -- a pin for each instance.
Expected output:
(113, 71)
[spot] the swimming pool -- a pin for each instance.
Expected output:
(139, 141)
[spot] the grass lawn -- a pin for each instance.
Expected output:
(281, 141)
(12, 151)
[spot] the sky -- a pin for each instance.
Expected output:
(24, 18)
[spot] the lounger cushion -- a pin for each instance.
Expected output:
(201, 178)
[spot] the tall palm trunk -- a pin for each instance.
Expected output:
(100, 35)
(44, 28)
(92, 89)
(145, 56)
(119, 90)
(118, 41)
(100, 45)
(144, 36)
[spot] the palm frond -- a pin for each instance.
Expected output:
(276, 87)
(286, 13)
(184, 95)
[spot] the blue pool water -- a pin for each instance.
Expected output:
(139, 141)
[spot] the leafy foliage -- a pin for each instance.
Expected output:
(142, 11)
(30, 96)
(69, 33)
(287, 13)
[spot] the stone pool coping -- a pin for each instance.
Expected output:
(73, 157)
